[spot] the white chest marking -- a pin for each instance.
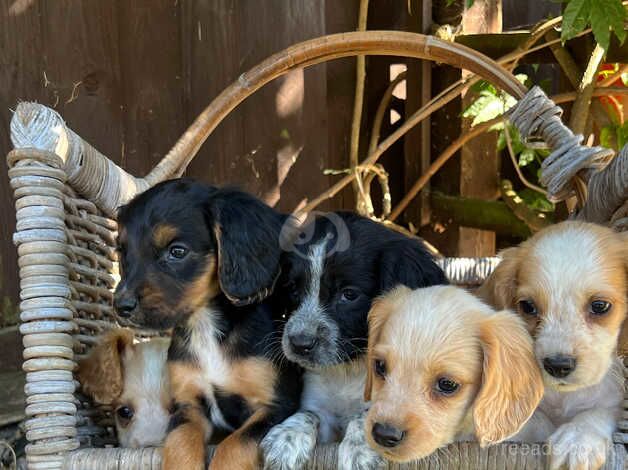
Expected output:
(335, 394)
(215, 369)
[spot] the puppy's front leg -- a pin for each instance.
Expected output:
(539, 428)
(289, 445)
(582, 443)
(189, 428)
(240, 449)
(354, 453)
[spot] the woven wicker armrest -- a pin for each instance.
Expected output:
(462, 455)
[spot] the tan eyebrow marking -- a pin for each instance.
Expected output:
(163, 234)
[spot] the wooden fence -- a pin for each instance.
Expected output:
(130, 75)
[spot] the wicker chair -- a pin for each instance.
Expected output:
(66, 196)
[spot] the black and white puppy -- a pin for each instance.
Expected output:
(346, 261)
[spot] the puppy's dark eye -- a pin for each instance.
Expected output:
(125, 414)
(177, 252)
(291, 288)
(527, 307)
(600, 307)
(379, 367)
(446, 386)
(349, 294)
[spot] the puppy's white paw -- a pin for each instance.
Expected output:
(289, 445)
(354, 453)
(577, 448)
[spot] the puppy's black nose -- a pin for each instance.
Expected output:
(125, 305)
(387, 435)
(559, 366)
(302, 344)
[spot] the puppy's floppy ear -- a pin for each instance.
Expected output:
(499, 289)
(408, 263)
(378, 315)
(247, 236)
(624, 237)
(101, 372)
(622, 344)
(512, 385)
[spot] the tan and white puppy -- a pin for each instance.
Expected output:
(443, 366)
(569, 283)
(133, 378)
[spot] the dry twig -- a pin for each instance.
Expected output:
(357, 112)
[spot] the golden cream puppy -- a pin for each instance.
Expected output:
(569, 283)
(444, 366)
(133, 378)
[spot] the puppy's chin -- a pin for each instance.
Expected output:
(155, 319)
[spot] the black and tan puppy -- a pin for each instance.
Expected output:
(204, 261)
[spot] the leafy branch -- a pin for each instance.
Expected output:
(603, 16)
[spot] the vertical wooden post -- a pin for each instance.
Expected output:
(417, 149)
(479, 161)
(443, 231)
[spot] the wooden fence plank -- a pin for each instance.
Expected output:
(130, 75)
(20, 78)
(417, 143)
(340, 17)
(152, 84)
(82, 73)
(479, 159)
(208, 30)
(275, 143)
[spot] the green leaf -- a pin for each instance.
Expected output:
(622, 136)
(493, 108)
(536, 200)
(606, 136)
(469, 3)
(476, 107)
(501, 141)
(546, 85)
(575, 18)
(522, 77)
(526, 157)
(483, 85)
(604, 16)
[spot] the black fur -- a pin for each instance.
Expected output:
(249, 251)
(242, 234)
(233, 408)
(376, 260)
(240, 230)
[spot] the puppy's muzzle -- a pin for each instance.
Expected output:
(386, 435)
(302, 344)
(559, 366)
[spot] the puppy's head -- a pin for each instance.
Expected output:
(569, 283)
(133, 379)
(441, 364)
(347, 261)
(183, 243)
